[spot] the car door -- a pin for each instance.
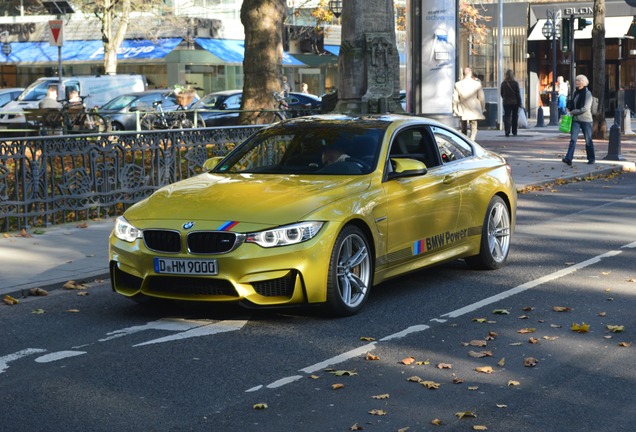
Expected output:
(456, 153)
(423, 209)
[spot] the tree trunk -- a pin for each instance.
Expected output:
(262, 63)
(598, 66)
(112, 43)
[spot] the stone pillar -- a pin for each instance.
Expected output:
(369, 64)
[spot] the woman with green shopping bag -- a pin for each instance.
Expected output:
(580, 108)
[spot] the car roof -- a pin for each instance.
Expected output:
(11, 89)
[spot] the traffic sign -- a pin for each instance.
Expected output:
(56, 33)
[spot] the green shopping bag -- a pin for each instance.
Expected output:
(566, 124)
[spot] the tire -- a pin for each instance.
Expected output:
(200, 122)
(148, 121)
(350, 273)
(117, 127)
(495, 237)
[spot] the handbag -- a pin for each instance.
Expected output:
(522, 119)
(566, 124)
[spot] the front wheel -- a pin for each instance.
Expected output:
(495, 237)
(350, 272)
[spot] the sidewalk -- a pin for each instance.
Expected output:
(80, 251)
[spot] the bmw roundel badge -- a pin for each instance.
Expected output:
(188, 225)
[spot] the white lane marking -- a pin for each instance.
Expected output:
(528, 285)
(339, 358)
(454, 314)
(168, 324)
(281, 382)
(60, 355)
(405, 332)
(206, 330)
(5, 360)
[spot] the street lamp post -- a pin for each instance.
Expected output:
(335, 6)
(550, 30)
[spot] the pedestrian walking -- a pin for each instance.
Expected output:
(469, 103)
(564, 89)
(511, 99)
(580, 108)
(285, 87)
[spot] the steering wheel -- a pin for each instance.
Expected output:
(364, 167)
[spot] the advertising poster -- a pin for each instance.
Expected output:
(438, 55)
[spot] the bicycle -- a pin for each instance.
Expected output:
(279, 113)
(160, 119)
(79, 120)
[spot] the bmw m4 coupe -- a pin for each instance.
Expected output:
(316, 211)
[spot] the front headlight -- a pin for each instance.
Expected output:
(284, 236)
(125, 231)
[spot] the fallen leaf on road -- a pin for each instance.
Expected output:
(479, 427)
(378, 412)
(73, 310)
(430, 384)
(478, 343)
(343, 373)
(367, 338)
(356, 427)
(414, 378)
(372, 356)
(407, 361)
(37, 311)
(530, 362)
(625, 344)
(502, 362)
(513, 383)
(436, 422)
(526, 330)
(73, 285)
(382, 396)
(615, 328)
(444, 366)
(581, 328)
(337, 386)
(467, 414)
(484, 369)
(259, 406)
(10, 300)
(38, 292)
(501, 312)
(82, 225)
(561, 309)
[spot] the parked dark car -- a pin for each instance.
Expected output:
(122, 111)
(222, 108)
(211, 108)
(9, 94)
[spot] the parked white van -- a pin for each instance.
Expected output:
(96, 90)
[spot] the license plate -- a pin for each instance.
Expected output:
(185, 266)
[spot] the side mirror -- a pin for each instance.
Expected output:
(405, 167)
(211, 163)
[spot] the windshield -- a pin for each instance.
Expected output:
(36, 91)
(119, 102)
(316, 148)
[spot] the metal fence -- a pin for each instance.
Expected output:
(56, 179)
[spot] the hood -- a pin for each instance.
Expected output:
(263, 199)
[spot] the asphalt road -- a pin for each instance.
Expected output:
(99, 362)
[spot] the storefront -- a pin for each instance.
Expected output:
(205, 61)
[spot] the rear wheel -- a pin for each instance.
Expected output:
(495, 237)
(350, 272)
(148, 121)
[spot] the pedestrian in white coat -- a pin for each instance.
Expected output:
(469, 103)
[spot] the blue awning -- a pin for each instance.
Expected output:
(92, 50)
(335, 50)
(233, 51)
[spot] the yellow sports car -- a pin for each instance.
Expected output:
(316, 210)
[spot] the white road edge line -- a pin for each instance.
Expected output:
(454, 314)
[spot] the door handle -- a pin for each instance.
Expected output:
(449, 179)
